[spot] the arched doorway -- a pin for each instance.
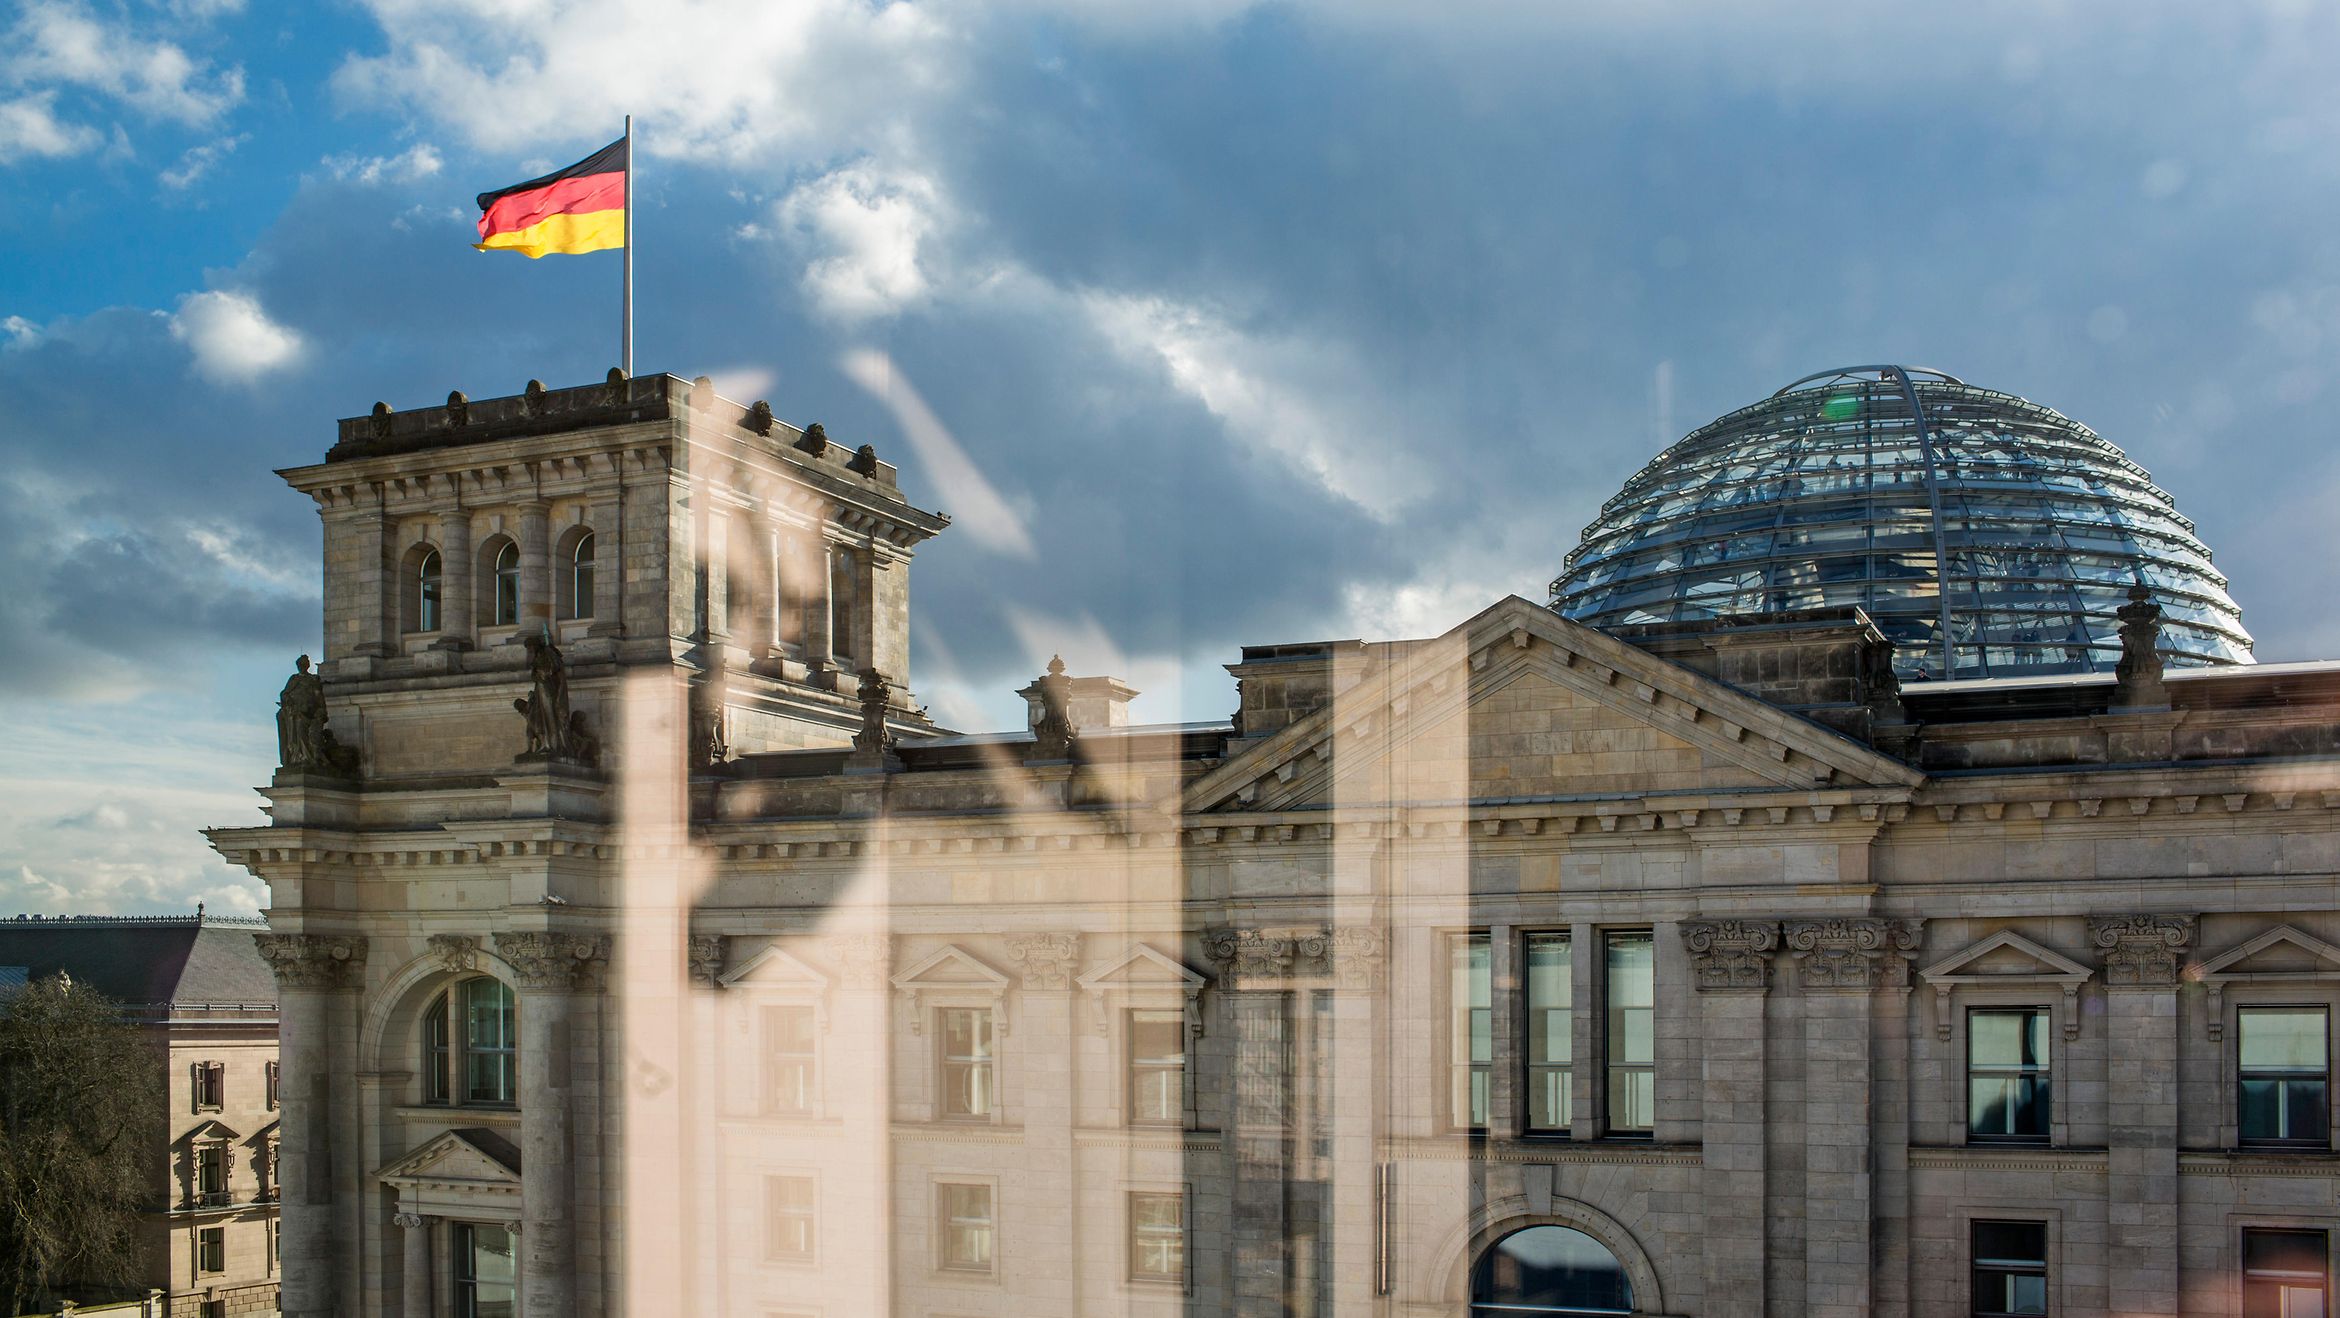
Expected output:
(1548, 1270)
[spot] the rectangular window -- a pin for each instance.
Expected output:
(210, 1086)
(1551, 1035)
(211, 1188)
(491, 1051)
(2286, 1274)
(1471, 1028)
(965, 1227)
(788, 1217)
(1157, 1237)
(2283, 1076)
(967, 1061)
(1157, 1067)
(2010, 1269)
(437, 1051)
(275, 1097)
(788, 1057)
(211, 1249)
(486, 1278)
(2007, 1077)
(1632, 1042)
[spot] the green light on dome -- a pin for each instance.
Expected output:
(1840, 407)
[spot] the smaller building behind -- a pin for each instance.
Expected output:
(199, 987)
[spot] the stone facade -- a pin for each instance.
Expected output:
(798, 1035)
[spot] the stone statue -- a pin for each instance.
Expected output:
(302, 739)
(710, 734)
(555, 732)
(1053, 735)
(2138, 674)
(875, 738)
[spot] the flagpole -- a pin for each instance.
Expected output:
(626, 335)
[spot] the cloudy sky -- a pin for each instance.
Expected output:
(1263, 321)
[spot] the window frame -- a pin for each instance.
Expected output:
(462, 1268)
(1135, 1071)
(1531, 1070)
(583, 579)
(2242, 1270)
(944, 1225)
(211, 1251)
(2284, 1076)
(446, 1052)
(2043, 1018)
(210, 1081)
(1131, 1239)
(775, 1212)
(1470, 1079)
(946, 1065)
(212, 1155)
(2043, 1269)
(425, 587)
(775, 1062)
(1611, 1067)
(502, 581)
(274, 1071)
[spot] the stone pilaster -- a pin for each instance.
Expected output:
(2142, 956)
(551, 967)
(415, 1277)
(456, 574)
(536, 597)
(1045, 1046)
(608, 520)
(1841, 965)
(1731, 965)
(313, 972)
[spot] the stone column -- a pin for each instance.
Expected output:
(2142, 956)
(607, 516)
(312, 972)
(415, 1288)
(1841, 964)
(1731, 964)
(456, 575)
(820, 650)
(551, 967)
(373, 556)
(1256, 967)
(1504, 982)
(536, 597)
(1048, 1210)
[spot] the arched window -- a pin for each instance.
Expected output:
(507, 585)
(581, 577)
(841, 576)
(426, 592)
(471, 1045)
(1548, 1270)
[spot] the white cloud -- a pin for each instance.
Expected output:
(418, 161)
(29, 127)
(59, 43)
(198, 161)
(21, 333)
(862, 227)
(232, 338)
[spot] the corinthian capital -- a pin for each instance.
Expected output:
(314, 961)
(1354, 951)
(1247, 956)
(550, 959)
(2141, 951)
(1854, 953)
(1731, 954)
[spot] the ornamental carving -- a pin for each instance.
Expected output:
(410, 1221)
(863, 961)
(707, 956)
(1354, 952)
(2142, 951)
(550, 959)
(1731, 954)
(455, 953)
(1046, 961)
(1245, 955)
(1854, 953)
(313, 961)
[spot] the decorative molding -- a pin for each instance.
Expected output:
(314, 961)
(2215, 974)
(410, 1221)
(1354, 953)
(1248, 956)
(862, 960)
(2063, 972)
(953, 969)
(554, 960)
(1731, 955)
(1854, 953)
(2141, 951)
(1143, 970)
(1045, 961)
(455, 953)
(707, 954)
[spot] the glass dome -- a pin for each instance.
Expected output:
(1986, 535)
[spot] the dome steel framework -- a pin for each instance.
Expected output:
(1986, 535)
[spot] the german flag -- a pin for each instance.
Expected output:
(578, 209)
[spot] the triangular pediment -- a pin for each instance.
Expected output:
(1143, 968)
(2282, 952)
(2005, 955)
(951, 967)
(210, 1130)
(774, 967)
(469, 1157)
(1520, 702)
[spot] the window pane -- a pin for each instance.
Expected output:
(2295, 1253)
(2282, 1038)
(489, 1042)
(1632, 997)
(1550, 994)
(2006, 1038)
(966, 1226)
(1158, 1037)
(2011, 1242)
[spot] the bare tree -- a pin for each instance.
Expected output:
(81, 1119)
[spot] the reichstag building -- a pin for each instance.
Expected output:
(1877, 881)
